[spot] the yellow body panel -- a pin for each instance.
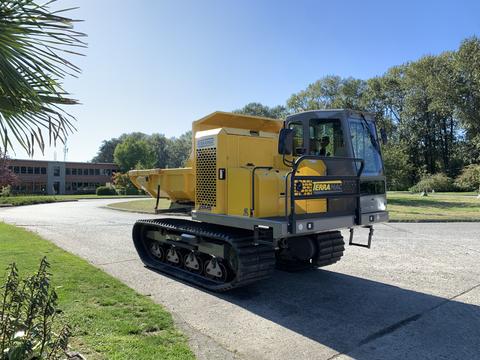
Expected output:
(239, 183)
(226, 150)
(311, 168)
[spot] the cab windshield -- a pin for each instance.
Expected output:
(365, 146)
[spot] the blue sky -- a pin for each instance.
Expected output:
(156, 66)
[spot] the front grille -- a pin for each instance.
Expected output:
(206, 178)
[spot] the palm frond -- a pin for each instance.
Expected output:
(34, 44)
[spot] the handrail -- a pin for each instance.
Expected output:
(298, 161)
(252, 209)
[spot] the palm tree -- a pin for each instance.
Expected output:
(34, 43)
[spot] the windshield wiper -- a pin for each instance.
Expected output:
(373, 140)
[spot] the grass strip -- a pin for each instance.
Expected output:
(142, 206)
(403, 206)
(109, 320)
(19, 200)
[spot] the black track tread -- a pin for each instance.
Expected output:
(255, 262)
(330, 248)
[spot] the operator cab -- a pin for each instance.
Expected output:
(342, 134)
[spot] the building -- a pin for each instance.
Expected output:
(58, 177)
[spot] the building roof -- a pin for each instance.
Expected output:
(66, 162)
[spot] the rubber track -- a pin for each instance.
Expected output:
(255, 262)
(330, 248)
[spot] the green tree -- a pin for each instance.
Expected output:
(321, 94)
(467, 75)
(106, 150)
(33, 43)
(179, 150)
(134, 153)
(159, 144)
(329, 92)
(398, 167)
(258, 109)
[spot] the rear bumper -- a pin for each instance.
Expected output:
(374, 217)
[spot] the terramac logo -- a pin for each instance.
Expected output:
(327, 186)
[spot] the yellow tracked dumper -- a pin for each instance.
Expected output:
(265, 193)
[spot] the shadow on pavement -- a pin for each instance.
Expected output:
(344, 312)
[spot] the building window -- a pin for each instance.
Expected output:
(91, 172)
(43, 170)
(16, 169)
(107, 172)
(74, 171)
(30, 170)
(23, 170)
(56, 171)
(97, 172)
(85, 171)
(67, 171)
(37, 170)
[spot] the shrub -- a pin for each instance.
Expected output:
(106, 190)
(131, 191)
(6, 191)
(469, 179)
(124, 185)
(28, 317)
(398, 167)
(437, 182)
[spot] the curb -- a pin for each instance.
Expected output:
(126, 210)
(38, 203)
(435, 221)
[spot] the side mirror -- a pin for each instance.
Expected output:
(383, 134)
(285, 142)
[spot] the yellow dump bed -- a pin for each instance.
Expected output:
(175, 184)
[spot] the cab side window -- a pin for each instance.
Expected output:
(298, 146)
(326, 138)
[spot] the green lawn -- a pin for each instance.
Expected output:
(143, 206)
(19, 200)
(404, 206)
(109, 320)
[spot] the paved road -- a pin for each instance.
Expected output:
(414, 295)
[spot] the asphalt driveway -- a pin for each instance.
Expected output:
(414, 295)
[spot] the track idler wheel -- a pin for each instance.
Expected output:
(215, 270)
(193, 262)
